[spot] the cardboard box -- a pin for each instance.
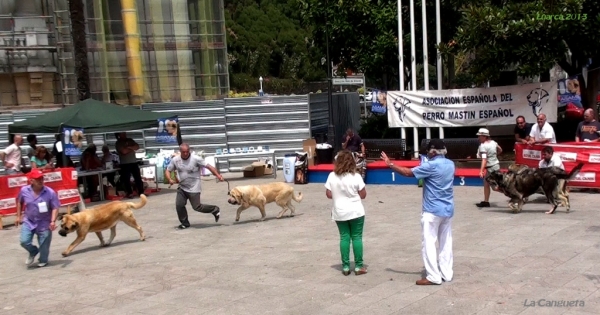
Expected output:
(310, 146)
(268, 169)
(257, 169)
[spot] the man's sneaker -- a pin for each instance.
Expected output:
(42, 264)
(183, 227)
(29, 260)
(217, 214)
(483, 204)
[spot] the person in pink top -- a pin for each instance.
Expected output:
(37, 211)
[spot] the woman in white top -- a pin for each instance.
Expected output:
(346, 187)
(488, 153)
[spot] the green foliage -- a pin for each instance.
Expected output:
(376, 127)
(364, 33)
(265, 38)
(242, 82)
(517, 34)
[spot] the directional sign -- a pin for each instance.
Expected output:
(348, 81)
(349, 73)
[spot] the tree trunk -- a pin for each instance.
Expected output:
(82, 70)
(451, 72)
(385, 80)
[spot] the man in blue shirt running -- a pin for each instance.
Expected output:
(438, 209)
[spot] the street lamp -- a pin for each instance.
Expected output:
(330, 129)
(218, 70)
(260, 92)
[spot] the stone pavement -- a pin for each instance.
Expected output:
(291, 266)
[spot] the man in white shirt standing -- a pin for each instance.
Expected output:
(541, 132)
(11, 156)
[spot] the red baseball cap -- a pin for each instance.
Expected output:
(35, 174)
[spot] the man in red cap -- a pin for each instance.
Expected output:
(40, 204)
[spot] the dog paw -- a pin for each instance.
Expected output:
(143, 239)
(65, 254)
(237, 219)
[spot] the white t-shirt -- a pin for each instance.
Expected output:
(188, 172)
(488, 151)
(554, 161)
(347, 204)
(13, 156)
(547, 132)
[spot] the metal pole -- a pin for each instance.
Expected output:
(438, 37)
(401, 58)
(413, 71)
(330, 129)
(413, 50)
(425, 58)
(62, 144)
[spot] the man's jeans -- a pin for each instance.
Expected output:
(44, 240)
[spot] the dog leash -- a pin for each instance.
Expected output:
(225, 180)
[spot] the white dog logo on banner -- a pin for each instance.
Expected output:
(400, 105)
(535, 98)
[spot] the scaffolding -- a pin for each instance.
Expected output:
(182, 47)
(36, 66)
(183, 52)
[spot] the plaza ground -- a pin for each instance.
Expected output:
(292, 265)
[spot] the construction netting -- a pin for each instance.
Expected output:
(182, 50)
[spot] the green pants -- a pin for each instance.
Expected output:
(351, 230)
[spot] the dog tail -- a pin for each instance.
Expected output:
(297, 198)
(143, 200)
(573, 173)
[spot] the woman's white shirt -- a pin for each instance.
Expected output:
(347, 204)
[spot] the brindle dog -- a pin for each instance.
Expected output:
(521, 182)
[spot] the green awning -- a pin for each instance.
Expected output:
(93, 116)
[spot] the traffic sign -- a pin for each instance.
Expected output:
(348, 81)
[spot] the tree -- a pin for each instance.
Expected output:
(82, 70)
(265, 38)
(363, 34)
(531, 37)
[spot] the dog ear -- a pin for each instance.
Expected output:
(238, 195)
(60, 216)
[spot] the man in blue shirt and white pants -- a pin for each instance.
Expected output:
(438, 209)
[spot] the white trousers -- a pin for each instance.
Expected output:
(437, 229)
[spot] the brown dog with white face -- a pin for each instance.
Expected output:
(98, 219)
(260, 195)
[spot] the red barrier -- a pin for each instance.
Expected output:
(63, 181)
(571, 153)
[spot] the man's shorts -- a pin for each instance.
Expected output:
(494, 168)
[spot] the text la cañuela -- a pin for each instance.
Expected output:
(467, 99)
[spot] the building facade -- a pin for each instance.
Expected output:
(139, 51)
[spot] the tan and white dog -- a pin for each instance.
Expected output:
(101, 218)
(260, 195)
